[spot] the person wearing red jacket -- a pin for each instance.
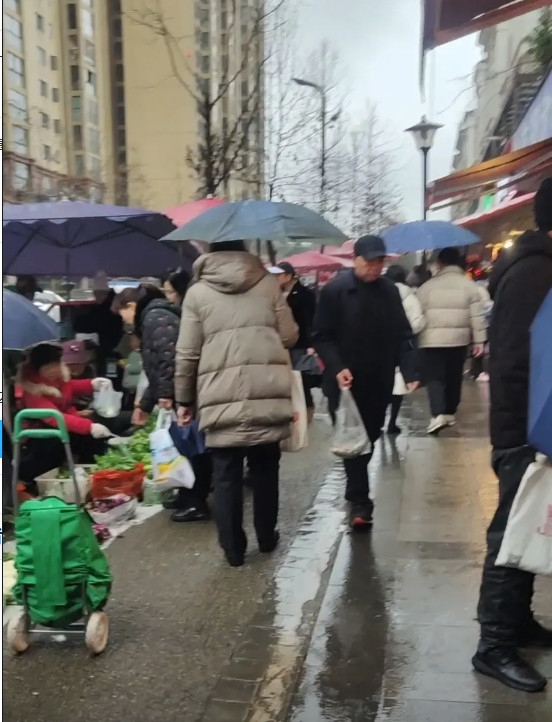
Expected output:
(45, 383)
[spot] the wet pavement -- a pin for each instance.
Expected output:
(334, 627)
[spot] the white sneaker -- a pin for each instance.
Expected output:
(437, 424)
(451, 420)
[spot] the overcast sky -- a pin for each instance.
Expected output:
(379, 44)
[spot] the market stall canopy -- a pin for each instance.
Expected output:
(186, 212)
(24, 324)
(446, 20)
(426, 236)
(313, 261)
(75, 239)
(494, 213)
(478, 179)
(259, 220)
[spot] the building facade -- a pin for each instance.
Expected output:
(55, 117)
(112, 101)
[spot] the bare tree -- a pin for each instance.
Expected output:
(228, 97)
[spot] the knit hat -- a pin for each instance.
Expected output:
(543, 206)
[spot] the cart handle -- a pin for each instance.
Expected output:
(19, 433)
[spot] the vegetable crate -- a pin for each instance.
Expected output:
(63, 578)
(53, 483)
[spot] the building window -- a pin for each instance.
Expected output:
(77, 137)
(117, 28)
(20, 140)
(119, 72)
(39, 22)
(20, 176)
(55, 95)
(53, 62)
(91, 84)
(94, 141)
(79, 164)
(204, 42)
(94, 165)
(92, 112)
(118, 50)
(72, 22)
(76, 108)
(121, 137)
(42, 57)
(205, 64)
(120, 115)
(13, 6)
(13, 33)
(90, 52)
(119, 95)
(87, 23)
(121, 157)
(57, 126)
(17, 105)
(46, 152)
(16, 70)
(44, 120)
(75, 77)
(43, 85)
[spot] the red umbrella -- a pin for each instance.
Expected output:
(312, 261)
(180, 215)
(344, 251)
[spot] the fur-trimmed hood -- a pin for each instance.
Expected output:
(30, 382)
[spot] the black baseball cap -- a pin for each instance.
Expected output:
(370, 248)
(287, 268)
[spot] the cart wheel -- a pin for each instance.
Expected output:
(97, 632)
(18, 633)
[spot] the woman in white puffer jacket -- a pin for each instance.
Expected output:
(416, 318)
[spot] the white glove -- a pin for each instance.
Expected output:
(99, 431)
(101, 383)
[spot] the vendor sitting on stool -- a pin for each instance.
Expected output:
(46, 384)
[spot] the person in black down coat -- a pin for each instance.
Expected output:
(519, 283)
(302, 302)
(362, 334)
(156, 322)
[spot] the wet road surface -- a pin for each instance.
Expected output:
(334, 628)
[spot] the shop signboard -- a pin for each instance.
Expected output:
(536, 124)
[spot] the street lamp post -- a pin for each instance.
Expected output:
(320, 90)
(424, 135)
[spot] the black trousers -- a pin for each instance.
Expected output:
(443, 370)
(264, 464)
(506, 594)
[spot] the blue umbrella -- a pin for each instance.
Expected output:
(540, 380)
(24, 324)
(258, 220)
(426, 236)
(74, 239)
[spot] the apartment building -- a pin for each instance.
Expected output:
(55, 84)
(105, 100)
(164, 65)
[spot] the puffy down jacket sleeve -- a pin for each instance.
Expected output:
(159, 336)
(477, 317)
(188, 351)
(414, 312)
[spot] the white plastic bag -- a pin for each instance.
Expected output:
(169, 469)
(107, 402)
(527, 542)
(141, 387)
(350, 438)
(299, 438)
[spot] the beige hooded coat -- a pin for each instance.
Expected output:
(231, 358)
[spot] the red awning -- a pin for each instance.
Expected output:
(481, 178)
(446, 20)
(312, 261)
(494, 213)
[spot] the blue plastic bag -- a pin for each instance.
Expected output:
(540, 380)
(189, 441)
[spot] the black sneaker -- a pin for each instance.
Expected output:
(266, 547)
(505, 665)
(361, 516)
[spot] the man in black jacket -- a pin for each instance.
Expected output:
(361, 333)
(519, 284)
(302, 302)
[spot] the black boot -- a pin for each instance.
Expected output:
(505, 665)
(266, 547)
(193, 511)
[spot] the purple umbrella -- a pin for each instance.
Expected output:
(75, 238)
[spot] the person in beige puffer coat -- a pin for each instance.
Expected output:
(233, 367)
(455, 320)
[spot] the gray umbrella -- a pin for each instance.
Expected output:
(258, 220)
